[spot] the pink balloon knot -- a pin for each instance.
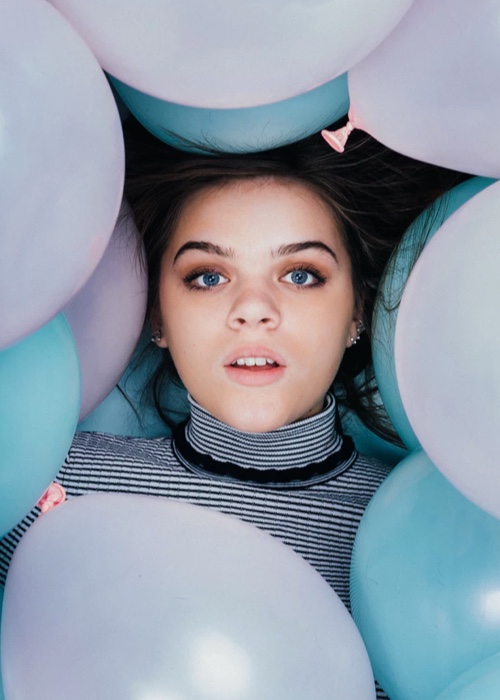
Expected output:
(53, 496)
(337, 139)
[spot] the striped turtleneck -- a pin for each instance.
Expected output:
(304, 483)
(310, 449)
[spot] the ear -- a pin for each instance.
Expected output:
(157, 334)
(356, 329)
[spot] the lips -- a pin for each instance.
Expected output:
(254, 366)
(254, 363)
(254, 357)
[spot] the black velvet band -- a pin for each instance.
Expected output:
(335, 463)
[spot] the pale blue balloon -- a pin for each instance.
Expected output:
(425, 582)
(370, 444)
(481, 682)
(244, 130)
(1, 603)
(391, 291)
(40, 397)
(126, 411)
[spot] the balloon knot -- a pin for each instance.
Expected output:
(53, 496)
(337, 139)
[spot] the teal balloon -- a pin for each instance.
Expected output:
(425, 582)
(39, 406)
(481, 682)
(126, 411)
(2, 697)
(391, 291)
(370, 444)
(244, 130)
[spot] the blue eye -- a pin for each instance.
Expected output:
(210, 279)
(302, 278)
(206, 280)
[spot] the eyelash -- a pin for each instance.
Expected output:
(189, 278)
(320, 278)
(194, 274)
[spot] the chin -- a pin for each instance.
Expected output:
(256, 420)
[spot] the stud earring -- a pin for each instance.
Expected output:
(359, 329)
(156, 337)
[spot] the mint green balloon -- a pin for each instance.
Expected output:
(391, 291)
(244, 130)
(125, 411)
(481, 682)
(1, 603)
(39, 407)
(425, 582)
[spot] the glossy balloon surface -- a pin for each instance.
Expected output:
(107, 314)
(446, 349)
(425, 578)
(391, 291)
(430, 90)
(61, 165)
(147, 597)
(39, 407)
(209, 55)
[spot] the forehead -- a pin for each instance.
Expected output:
(258, 208)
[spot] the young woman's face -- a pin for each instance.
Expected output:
(256, 302)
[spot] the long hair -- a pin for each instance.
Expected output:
(372, 192)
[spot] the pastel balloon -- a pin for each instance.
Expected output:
(446, 349)
(425, 581)
(39, 407)
(244, 130)
(430, 90)
(2, 697)
(210, 55)
(127, 411)
(390, 293)
(107, 314)
(480, 681)
(162, 599)
(369, 443)
(61, 165)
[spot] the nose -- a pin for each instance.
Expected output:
(254, 306)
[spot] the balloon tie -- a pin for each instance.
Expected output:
(337, 139)
(53, 496)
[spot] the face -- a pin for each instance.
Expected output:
(256, 302)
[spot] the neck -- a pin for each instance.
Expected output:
(287, 453)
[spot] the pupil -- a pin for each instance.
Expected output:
(299, 276)
(210, 279)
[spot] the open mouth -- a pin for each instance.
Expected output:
(255, 363)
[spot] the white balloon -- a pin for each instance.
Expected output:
(107, 314)
(61, 165)
(446, 349)
(133, 597)
(220, 54)
(431, 90)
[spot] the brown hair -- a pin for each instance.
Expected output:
(373, 193)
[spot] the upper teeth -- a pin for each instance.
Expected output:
(252, 361)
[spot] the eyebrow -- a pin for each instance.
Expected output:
(305, 245)
(286, 249)
(206, 247)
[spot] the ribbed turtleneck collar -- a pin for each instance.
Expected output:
(297, 451)
(297, 444)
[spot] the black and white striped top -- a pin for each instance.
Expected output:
(303, 483)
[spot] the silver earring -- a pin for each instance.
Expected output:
(156, 337)
(359, 329)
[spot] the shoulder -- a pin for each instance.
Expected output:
(360, 480)
(372, 465)
(368, 471)
(104, 447)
